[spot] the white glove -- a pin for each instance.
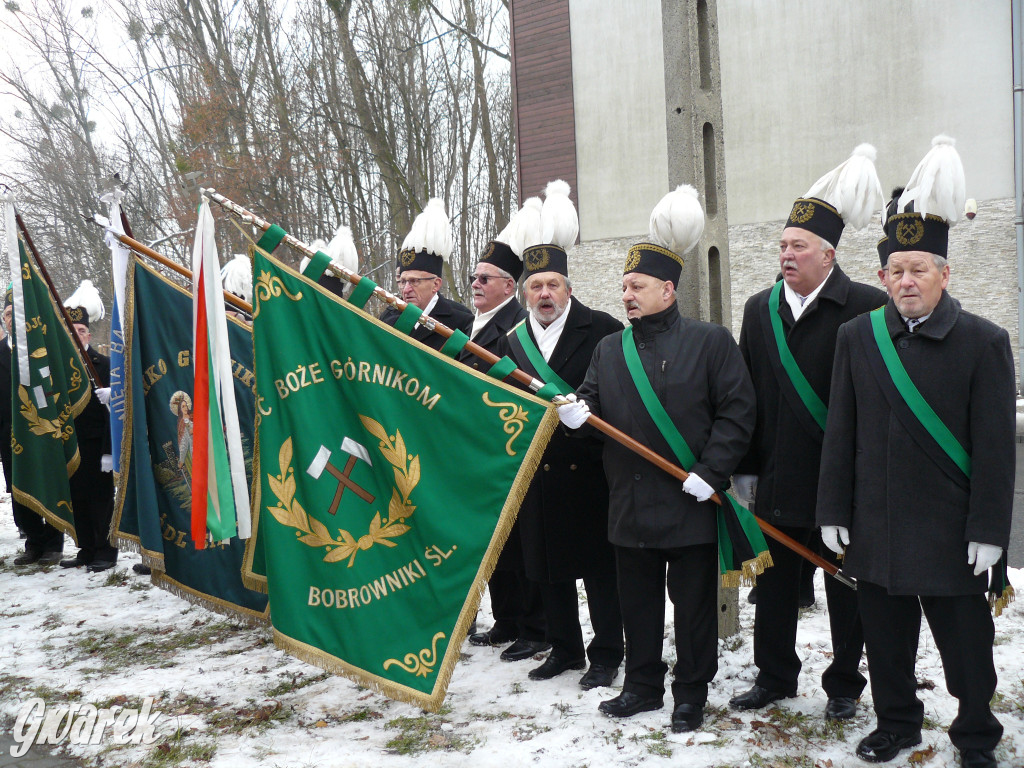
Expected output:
(574, 412)
(103, 394)
(106, 463)
(832, 535)
(694, 486)
(744, 487)
(983, 556)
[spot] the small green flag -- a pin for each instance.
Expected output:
(50, 387)
(389, 477)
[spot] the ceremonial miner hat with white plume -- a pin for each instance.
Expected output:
(85, 305)
(9, 296)
(677, 222)
(931, 203)
(559, 225)
(342, 253)
(236, 277)
(848, 194)
(429, 242)
(887, 210)
(506, 250)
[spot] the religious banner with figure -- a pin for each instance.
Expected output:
(389, 477)
(50, 387)
(154, 500)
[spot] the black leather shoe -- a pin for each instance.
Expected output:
(687, 717)
(492, 637)
(807, 601)
(524, 649)
(882, 746)
(28, 557)
(598, 676)
(49, 558)
(76, 562)
(627, 704)
(978, 758)
(840, 708)
(758, 697)
(142, 570)
(752, 595)
(99, 565)
(555, 665)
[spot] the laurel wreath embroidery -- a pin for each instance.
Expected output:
(313, 533)
(37, 424)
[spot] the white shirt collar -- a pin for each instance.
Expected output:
(798, 303)
(547, 338)
(483, 318)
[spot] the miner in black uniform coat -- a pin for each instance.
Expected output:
(920, 531)
(698, 375)
(814, 298)
(564, 517)
(420, 267)
(515, 602)
(92, 485)
(43, 542)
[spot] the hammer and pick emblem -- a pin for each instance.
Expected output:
(322, 461)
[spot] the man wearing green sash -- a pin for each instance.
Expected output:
(788, 340)
(564, 518)
(667, 380)
(917, 473)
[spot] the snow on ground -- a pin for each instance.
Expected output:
(228, 698)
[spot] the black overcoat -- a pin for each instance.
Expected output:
(909, 510)
(699, 375)
(563, 520)
(785, 451)
(446, 311)
(493, 334)
(6, 409)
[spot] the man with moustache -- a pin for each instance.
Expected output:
(564, 517)
(917, 474)
(788, 341)
(666, 379)
(420, 266)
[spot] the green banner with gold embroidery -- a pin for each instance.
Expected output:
(389, 477)
(50, 387)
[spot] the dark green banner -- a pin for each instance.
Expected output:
(154, 491)
(388, 479)
(50, 387)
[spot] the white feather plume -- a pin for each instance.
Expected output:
(524, 229)
(431, 231)
(88, 298)
(937, 185)
(236, 276)
(316, 245)
(558, 219)
(677, 221)
(852, 187)
(342, 249)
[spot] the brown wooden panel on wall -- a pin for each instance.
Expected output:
(542, 95)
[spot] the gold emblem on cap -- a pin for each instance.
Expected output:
(488, 252)
(910, 231)
(406, 257)
(536, 259)
(632, 260)
(802, 212)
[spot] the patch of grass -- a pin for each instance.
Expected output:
(178, 748)
(294, 682)
(517, 688)
(14, 613)
(527, 730)
(360, 715)
(257, 717)
(117, 577)
(931, 724)
(424, 734)
(562, 707)
(733, 642)
(615, 737)
(149, 647)
(139, 586)
(781, 761)
(655, 743)
(52, 621)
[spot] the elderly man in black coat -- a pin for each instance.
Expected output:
(661, 532)
(564, 518)
(789, 332)
(917, 477)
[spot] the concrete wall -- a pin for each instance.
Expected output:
(804, 82)
(619, 99)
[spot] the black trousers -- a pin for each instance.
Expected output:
(92, 504)
(691, 574)
(775, 623)
(517, 605)
(562, 613)
(963, 631)
(40, 536)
